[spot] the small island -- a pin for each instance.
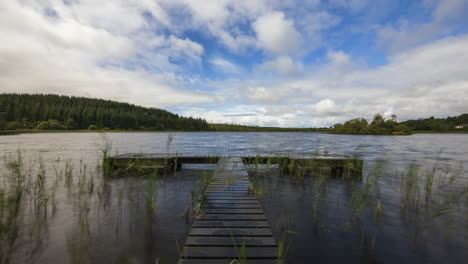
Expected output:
(378, 126)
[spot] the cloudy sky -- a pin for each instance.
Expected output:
(265, 62)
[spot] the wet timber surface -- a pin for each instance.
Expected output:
(231, 223)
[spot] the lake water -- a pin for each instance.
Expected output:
(113, 224)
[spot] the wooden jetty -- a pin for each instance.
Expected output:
(340, 166)
(231, 223)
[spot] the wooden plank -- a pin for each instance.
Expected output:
(231, 201)
(229, 241)
(229, 252)
(223, 223)
(236, 179)
(231, 180)
(214, 196)
(229, 206)
(230, 183)
(231, 217)
(230, 173)
(228, 190)
(228, 261)
(233, 211)
(228, 187)
(200, 231)
(228, 193)
(231, 194)
(213, 190)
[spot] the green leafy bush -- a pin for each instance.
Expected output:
(52, 124)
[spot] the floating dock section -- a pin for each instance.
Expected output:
(340, 166)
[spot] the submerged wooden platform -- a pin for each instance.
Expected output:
(340, 166)
(231, 223)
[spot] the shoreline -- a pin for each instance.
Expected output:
(17, 132)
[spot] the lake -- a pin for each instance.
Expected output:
(87, 219)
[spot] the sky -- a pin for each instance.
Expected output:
(310, 63)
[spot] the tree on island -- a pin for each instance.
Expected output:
(378, 126)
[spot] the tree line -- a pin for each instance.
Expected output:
(244, 128)
(56, 112)
(439, 124)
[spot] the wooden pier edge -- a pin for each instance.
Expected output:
(340, 166)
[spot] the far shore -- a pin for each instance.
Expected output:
(33, 131)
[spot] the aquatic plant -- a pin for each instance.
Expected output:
(170, 138)
(319, 186)
(23, 193)
(198, 194)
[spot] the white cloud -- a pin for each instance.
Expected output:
(425, 81)
(276, 34)
(224, 65)
(326, 106)
(183, 48)
(447, 16)
(283, 65)
(263, 95)
(70, 55)
(218, 18)
(450, 10)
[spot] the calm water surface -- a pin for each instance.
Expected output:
(120, 229)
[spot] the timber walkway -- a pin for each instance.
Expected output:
(231, 223)
(340, 166)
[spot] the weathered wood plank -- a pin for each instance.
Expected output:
(233, 211)
(229, 241)
(228, 188)
(231, 217)
(230, 178)
(223, 223)
(229, 206)
(229, 193)
(230, 183)
(228, 261)
(229, 252)
(231, 201)
(233, 173)
(241, 187)
(229, 197)
(212, 190)
(199, 231)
